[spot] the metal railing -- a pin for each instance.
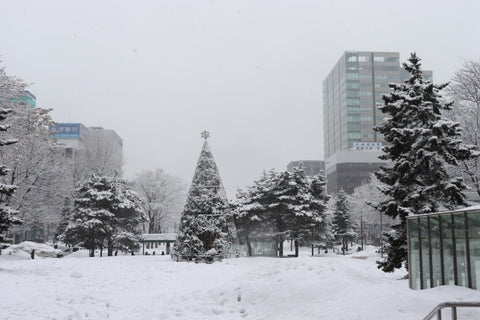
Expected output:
(437, 311)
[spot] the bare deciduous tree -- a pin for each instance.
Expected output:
(162, 198)
(465, 90)
(100, 154)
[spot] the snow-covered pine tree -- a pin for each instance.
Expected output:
(7, 214)
(343, 224)
(286, 203)
(206, 222)
(291, 205)
(252, 216)
(106, 214)
(10, 89)
(318, 204)
(421, 144)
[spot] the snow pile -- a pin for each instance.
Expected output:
(82, 253)
(155, 287)
(24, 249)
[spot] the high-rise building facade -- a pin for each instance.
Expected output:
(351, 93)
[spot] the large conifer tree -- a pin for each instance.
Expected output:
(10, 89)
(206, 221)
(286, 203)
(7, 214)
(106, 214)
(421, 144)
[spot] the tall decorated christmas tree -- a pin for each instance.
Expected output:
(206, 229)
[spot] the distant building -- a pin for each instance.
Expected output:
(349, 169)
(72, 135)
(310, 167)
(111, 138)
(351, 92)
(100, 145)
(28, 98)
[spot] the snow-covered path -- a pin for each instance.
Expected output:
(155, 287)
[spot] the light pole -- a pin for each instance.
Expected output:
(381, 235)
(361, 226)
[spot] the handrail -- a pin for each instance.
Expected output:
(438, 309)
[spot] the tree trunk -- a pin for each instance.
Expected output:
(92, 252)
(151, 227)
(296, 247)
(313, 250)
(249, 247)
(101, 251)
(280, 249)
(110, 247)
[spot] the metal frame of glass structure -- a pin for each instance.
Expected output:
(444, 249)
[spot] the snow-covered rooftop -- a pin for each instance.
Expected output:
(159, 236)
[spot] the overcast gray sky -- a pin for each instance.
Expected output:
(250, 72)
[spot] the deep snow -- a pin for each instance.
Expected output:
(155, 287)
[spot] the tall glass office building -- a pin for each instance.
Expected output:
(444, 249)
(351, 93)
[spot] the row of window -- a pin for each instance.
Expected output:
(355, 76)
(375, 59)
(358, 93)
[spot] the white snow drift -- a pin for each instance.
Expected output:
(154, 287)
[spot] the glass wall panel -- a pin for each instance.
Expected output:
(474, 239)
(414, 267)
(459, 220)
(435, 245)
(447, 249)
(425, 252)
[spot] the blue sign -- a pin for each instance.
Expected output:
(69, 130)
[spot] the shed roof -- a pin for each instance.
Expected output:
(159, 236)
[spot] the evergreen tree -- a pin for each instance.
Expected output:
(421, 145)
(206, 221)
(252, 216)
(7, 214)
(291, 206)
(106, 213)
(343, 224)
(286, 203)
(10, 89)
(318, 204)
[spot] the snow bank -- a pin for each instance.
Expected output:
(24, 249)
(155, 287)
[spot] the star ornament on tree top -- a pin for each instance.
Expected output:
(205, 135)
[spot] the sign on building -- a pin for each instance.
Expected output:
(69, 130)
(367, 146)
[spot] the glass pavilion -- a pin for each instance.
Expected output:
(444, 249)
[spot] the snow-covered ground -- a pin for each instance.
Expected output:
(154, 287)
